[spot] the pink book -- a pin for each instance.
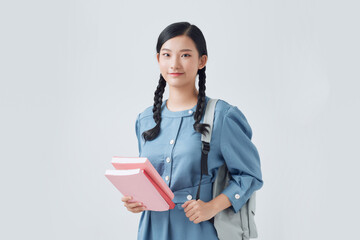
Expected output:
(137, 177)
(135, 183)
(142, 163)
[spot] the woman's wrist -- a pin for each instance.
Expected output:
(220, 203)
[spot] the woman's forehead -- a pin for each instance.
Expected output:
(178, 44)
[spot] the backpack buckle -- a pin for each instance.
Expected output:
(206, 147)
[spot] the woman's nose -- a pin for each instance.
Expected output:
(175, 62)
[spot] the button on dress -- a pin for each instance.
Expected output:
(176, 155)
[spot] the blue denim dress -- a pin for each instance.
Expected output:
(176, 155)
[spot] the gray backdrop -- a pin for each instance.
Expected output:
(75, 74)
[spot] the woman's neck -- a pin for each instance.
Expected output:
(180, 100)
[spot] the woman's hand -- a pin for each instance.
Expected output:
(135, 207)
(198, 210)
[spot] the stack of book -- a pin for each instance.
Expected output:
(137, 177)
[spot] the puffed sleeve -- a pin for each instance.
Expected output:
(241, 157)
(137, 131)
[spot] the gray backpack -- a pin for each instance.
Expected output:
(229, 225)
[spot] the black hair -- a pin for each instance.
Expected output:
(192, 31)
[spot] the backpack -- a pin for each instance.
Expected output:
(229, 225)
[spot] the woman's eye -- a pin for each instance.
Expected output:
(166, 54)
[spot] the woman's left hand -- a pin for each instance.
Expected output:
(198, 210)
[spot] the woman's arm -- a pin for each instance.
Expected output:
(220, 203)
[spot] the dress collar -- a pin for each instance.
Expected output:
(184, 113)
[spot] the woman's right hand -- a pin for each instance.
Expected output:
(135, 207)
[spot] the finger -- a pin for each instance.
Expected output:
(190, 206)
(133, 205)
(197, 220)
(130, 204)
(193, 217)
(138, 209)
(126, 198)
(193, 214)
(186, 203)
(190, 213)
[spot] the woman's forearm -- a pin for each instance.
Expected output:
(220, 203)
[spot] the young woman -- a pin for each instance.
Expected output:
(169, 135)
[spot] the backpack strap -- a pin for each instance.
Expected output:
(206, 138)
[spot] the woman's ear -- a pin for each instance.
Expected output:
(203, 61)
(157, 57)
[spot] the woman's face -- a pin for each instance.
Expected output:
(179, 55)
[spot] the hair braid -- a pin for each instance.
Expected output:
(200, 108)
(154, 132)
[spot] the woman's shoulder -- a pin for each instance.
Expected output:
(224, 107)
(232, 116)
(230, 112)
(147, 112)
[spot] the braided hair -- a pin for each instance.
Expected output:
(173, 30)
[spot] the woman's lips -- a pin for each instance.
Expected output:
(175, 74)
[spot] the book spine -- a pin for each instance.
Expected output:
(162, 193)
(162, 184)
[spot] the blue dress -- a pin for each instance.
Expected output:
(176, 155)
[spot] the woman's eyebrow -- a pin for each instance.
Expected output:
(182, 50)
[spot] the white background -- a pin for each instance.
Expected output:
(75, 74)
